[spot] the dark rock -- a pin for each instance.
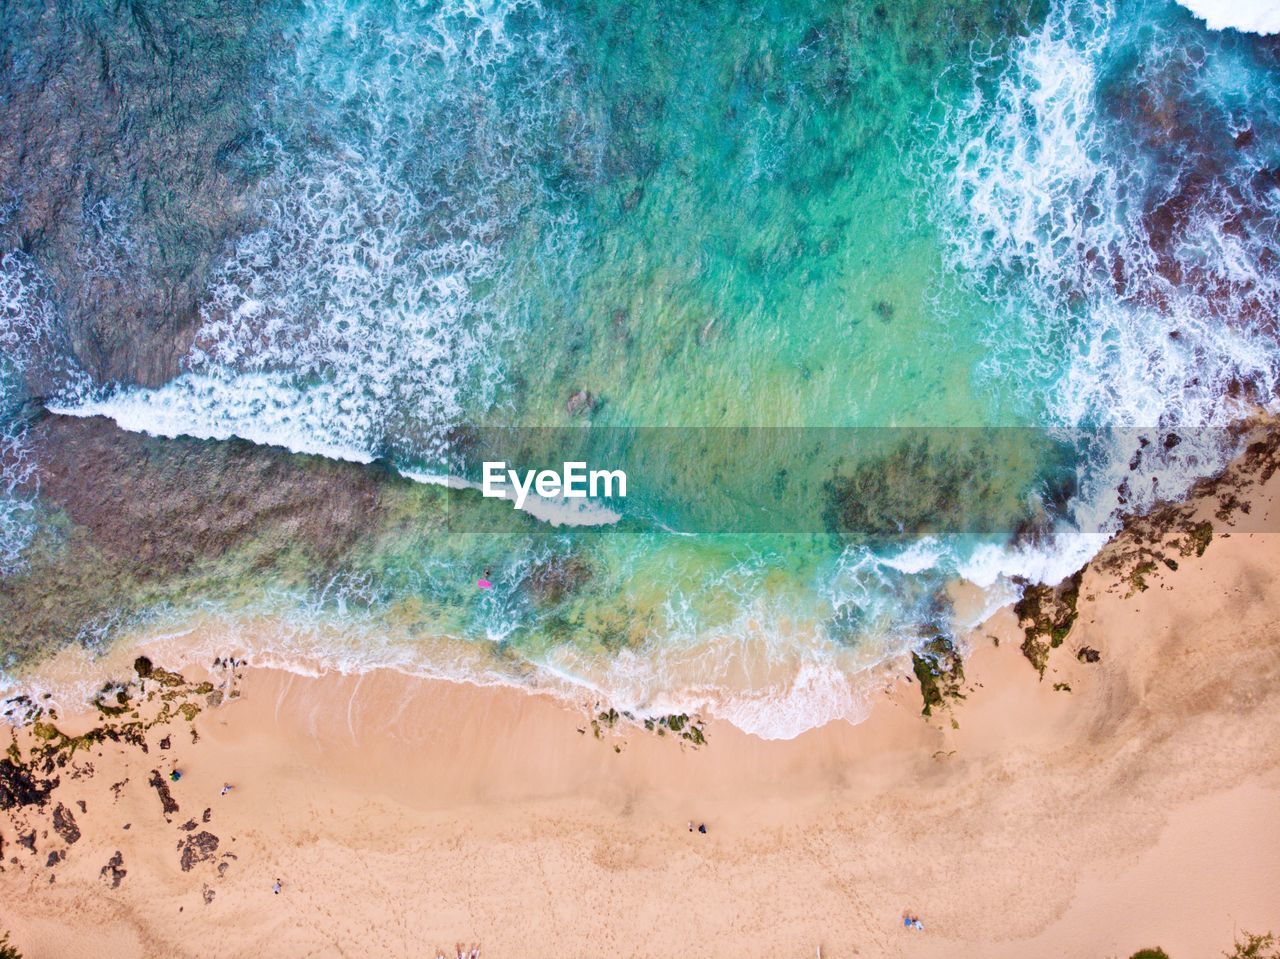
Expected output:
(188, 826)
(54, 858)
(20, 787)
(197, 849)
(64, 824)
(1087, 654)
(162, 790)
(114, 871)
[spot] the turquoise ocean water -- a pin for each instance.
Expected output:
(854, 290)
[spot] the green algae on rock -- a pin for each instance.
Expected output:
(939, 669)
(1047, 614)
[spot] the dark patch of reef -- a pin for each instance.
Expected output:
(926, 483)
(130, 526)
(131, 523)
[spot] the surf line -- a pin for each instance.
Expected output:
(575, 481)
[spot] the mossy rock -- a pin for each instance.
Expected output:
(1197, 539)
(940, 672)
(1138, 578)
(694, 735)
(1046, 614)
(46, 731)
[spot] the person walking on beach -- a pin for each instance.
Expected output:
(226, 788)
(276, 887)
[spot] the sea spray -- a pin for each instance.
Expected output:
(1132, 262)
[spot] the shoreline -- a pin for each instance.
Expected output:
(1120, 801)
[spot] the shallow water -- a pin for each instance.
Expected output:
(725, 247)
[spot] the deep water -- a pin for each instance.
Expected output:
(868, 298)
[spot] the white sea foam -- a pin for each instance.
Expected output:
(1044, 201)
(1247, 16)
(263, 408)
(348, 324)
(32, 340)
(917, 557)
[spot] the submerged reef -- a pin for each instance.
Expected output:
(930, 483)
(133, 185)
(132, 523)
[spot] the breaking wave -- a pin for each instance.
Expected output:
(1104, 189)
(1250, 16)
(358, 321)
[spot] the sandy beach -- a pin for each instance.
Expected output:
(404, 816)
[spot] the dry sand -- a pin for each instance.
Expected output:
(403, 816)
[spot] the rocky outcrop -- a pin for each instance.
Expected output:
(1046, 614)
(197, 849)
(113, 872)
(64, 824)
